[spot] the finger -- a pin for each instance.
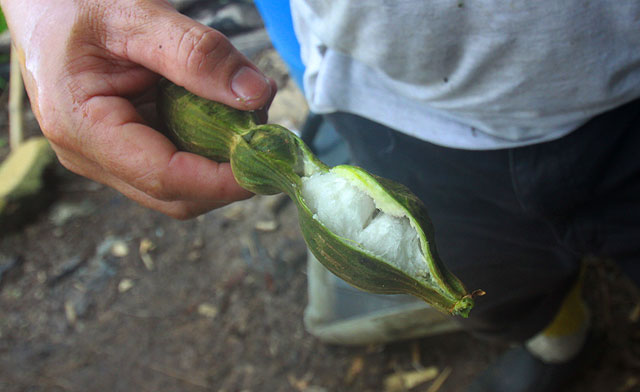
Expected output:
(176, 209)
(263, 113)
(144, 158)
(190, 54)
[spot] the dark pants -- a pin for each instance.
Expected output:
(517, 222)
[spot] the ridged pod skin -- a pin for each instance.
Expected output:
(269, 159)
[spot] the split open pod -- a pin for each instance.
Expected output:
(371, 232)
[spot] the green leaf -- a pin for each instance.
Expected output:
(3, 22)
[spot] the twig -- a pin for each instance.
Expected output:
(437, 383)
(16, 99)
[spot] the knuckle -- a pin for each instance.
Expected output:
(200, 46)
(59, 138)
(54, 133)
(156, 190)
(62, 132)
(155, 185)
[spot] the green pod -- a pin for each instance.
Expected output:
(193, 130)
(362, 268)
(268, 159)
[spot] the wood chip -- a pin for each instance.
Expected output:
(119, 248)
(147, 261)
(402, 381)
(146, 245)
(207, 310)
(268, 225)
(125, 285)
(70, 312)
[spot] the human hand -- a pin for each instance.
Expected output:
(85, 63)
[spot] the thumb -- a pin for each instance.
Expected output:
(192, 55)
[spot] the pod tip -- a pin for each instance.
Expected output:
(465, 304)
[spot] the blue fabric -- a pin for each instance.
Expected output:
(276, 15)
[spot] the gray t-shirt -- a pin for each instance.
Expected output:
(476, 74)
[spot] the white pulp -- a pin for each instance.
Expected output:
(350, 213)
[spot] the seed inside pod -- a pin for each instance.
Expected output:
(348, 211)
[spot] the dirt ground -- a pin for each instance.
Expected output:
(100, 294)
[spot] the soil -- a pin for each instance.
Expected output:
(100, 294)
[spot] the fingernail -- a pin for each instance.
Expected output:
(247, 84)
